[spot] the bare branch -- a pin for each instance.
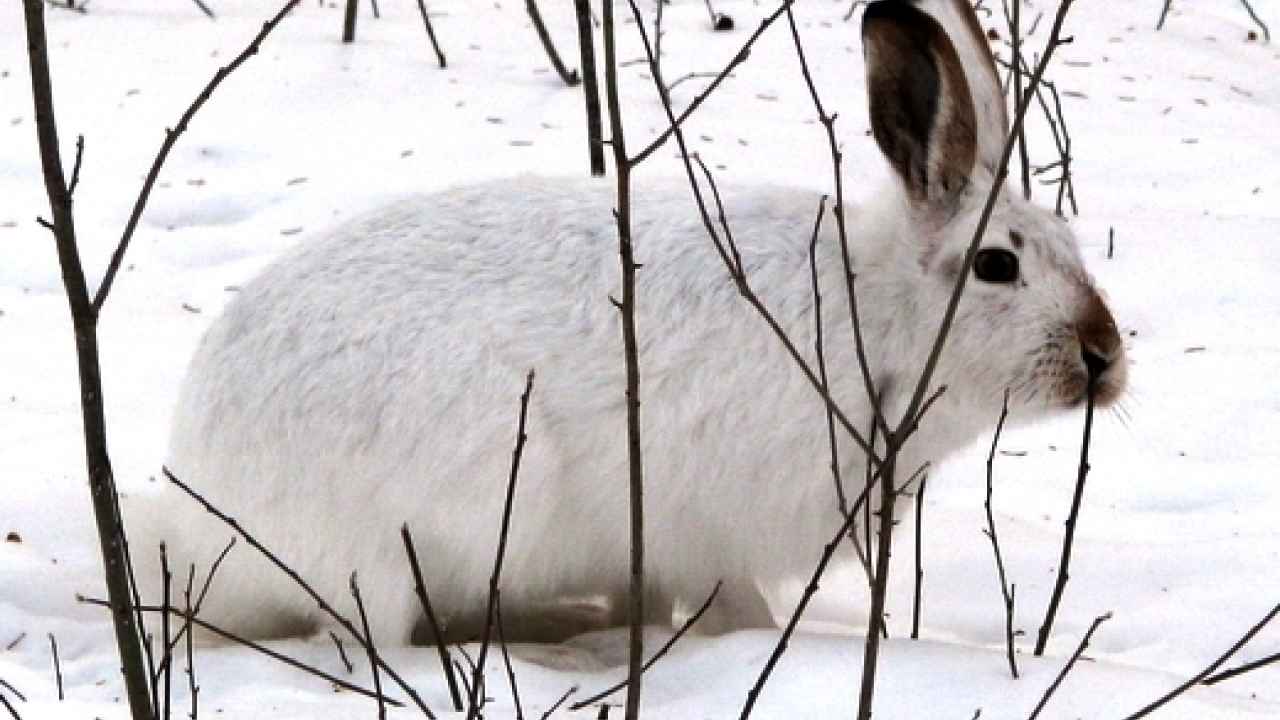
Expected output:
(57, 666)
(420, 588)
(1042, 637)
(506, 659)
(657, 655)
(369, 647)
(737, 60)
(1006, 591)
(631, 359)
(1084, 643)
(570, 77)
(476, 701)
(915, 598)
(431, 33)
(170, 138)
(1209, 670)
(590, 87)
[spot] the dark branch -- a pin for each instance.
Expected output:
(657, 655)
(570, 77)
(1064, 563)
(170, 138)
(1209, 670)
(1084, 643)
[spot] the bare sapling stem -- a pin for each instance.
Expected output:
(590, 87)
(476, 701)
(1084, 644)
(1207, 672)
(666, 647)
(349, 21)
(570, 77)
(1064, 562)
(919, 584)
(369, 647)
(631, 357)
(420, 588)
(431, 33)
(879, 589)
(1007, 592)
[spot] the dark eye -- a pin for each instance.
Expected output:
(995, 265)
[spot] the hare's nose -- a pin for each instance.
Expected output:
(1095, 362)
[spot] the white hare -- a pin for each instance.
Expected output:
(371, 377)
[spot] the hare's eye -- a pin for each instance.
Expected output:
(995, 265)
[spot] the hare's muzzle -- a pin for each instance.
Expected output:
(1101, 352)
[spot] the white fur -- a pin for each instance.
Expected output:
(371, 378)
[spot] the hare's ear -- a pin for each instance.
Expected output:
(974, 50)
(922, 113)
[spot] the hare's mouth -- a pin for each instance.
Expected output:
(1108, 383)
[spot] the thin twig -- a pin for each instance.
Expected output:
(431, 33)
(170, 138)
(193, 690)
(323, 604)
(369, 647)
(1084, 643)
(205, 9)
(737, 60)
(1042, 637)
(1014, 22)
(204, 590)
(657, 655)
(631, 359)
(1006, 591)
(828, 551)
(5, 684)
(420, 588)
(75, 170)
(166, 659)
(257, 647)
(349, 21)
(1209, 670)
(1242, 669)
(919, 584)
(342, 652)
(476, 700)
(506, 659)
(57, 666)
(1266, 34)
(828, 122)
(556, 706)
(590, 87)
(570, 77)
(13, 712)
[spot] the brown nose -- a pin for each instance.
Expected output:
(1099, 339)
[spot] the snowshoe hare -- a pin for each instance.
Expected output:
(371, 377)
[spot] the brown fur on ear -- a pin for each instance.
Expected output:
(978, 40)
(922, 113)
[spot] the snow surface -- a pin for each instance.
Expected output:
(1174, 139)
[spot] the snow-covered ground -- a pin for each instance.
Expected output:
(1175, 147)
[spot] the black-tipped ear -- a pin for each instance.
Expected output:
(922, 113)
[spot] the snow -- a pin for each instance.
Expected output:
(1174, 145)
